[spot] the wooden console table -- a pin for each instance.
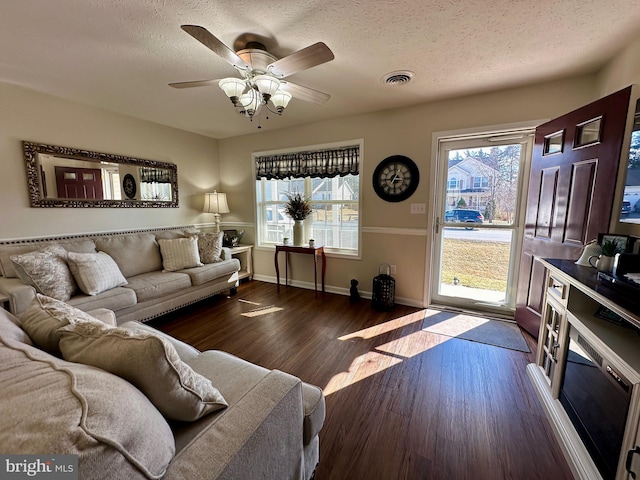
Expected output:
(316, 250)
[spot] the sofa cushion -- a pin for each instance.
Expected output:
(11, 328)
(185, 351)
(134, 253)
(211, 271)
(113, 299)
(147, 361)
(43, 318)
(234, 377)
(210, 246)
(47, 271)
(157, 284)
(179, 253)
(181, 233)
(95, 272)
(81, 245)
(50, 405)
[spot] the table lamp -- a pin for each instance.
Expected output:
(216, 203)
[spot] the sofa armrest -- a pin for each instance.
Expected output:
(259, 436)
(19, 294)
(106, 316)
(226, 253)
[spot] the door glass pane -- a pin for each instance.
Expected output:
(482, 184)
(481, 201)
(475, 263)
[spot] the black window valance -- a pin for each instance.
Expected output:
(154, 175)
(319, 163)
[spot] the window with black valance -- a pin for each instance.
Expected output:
(320, 163)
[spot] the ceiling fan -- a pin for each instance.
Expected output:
(262, 82)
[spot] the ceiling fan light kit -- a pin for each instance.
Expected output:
(262, 84)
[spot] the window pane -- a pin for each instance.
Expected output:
(335, 225)
(492, 177)
(334, 221)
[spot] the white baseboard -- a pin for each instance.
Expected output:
(337, 290)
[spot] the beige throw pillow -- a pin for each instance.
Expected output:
(47, 271)
(149, 362)
(95, 272)
(210, 246)
(179, 253)
(45, 315)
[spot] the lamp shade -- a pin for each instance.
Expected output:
(281, 100)
(232, 87)
(267, 85)
(215, 203)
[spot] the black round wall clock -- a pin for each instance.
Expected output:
(129, 186)
(396, 178)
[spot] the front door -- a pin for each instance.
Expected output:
(571, 192)
(79, 183)
(479, 220)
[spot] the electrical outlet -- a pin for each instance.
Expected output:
(418, 208)
(393, 269)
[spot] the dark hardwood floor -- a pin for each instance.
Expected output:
(402, 403)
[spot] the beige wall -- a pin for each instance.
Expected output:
(28, 115)
(391, 234)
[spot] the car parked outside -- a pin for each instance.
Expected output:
(626, 208)
(464, 215)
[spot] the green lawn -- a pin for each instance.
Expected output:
(476, 264)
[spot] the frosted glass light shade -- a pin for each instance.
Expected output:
(215, 203)
(267, 85)
(281, 99)
(249, 102)
(232, 87)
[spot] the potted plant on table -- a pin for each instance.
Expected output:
(604, 262)
(298, 207)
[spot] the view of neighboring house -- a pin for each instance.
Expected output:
(469, 184)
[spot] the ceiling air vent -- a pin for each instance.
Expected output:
(400, 77)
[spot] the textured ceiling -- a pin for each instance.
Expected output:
(122, 54)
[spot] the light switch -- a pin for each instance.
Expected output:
(418, 208)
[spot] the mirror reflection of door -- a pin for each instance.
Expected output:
(479, 224)
(79, 183)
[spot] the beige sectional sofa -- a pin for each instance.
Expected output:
(73, 383)
(149, 288)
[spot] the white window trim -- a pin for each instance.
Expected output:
(331, 252)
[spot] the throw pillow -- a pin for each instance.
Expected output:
(47, 271)
(179, 253)
(210, 246)
(149, 362)
(45, 315)
(95, 272)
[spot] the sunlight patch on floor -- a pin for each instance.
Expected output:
(242, 300)
(386, 355)
(262, 311)
(386, 327)
(453, 326)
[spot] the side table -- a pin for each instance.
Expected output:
(316, 251)
(244, 253)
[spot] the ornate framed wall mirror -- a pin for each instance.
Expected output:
(69, 177)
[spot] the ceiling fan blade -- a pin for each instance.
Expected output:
(308, 57)
(211, 42)
(305, 93)
(198, 83)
